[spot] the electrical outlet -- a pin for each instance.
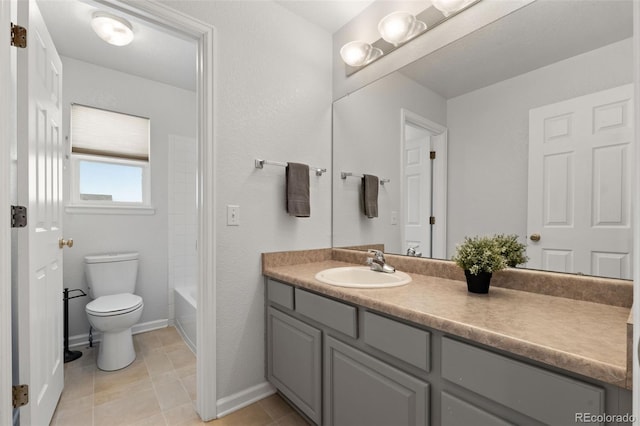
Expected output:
(233, 215)
(394, 217)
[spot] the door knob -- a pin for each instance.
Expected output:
(535, 237)
(68, 243)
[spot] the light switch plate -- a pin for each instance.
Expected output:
(233, 215)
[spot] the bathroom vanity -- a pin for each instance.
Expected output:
(429, 353)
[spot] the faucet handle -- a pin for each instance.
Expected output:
(377, 254)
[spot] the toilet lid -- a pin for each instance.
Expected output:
(114, 304)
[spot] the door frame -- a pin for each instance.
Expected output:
(206, 316)
(204, 34)
(439, 141)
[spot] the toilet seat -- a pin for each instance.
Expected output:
(115, 304)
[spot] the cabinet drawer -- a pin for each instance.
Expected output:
(545, 396)
(339, 316)
(279, 293)
(410, 344)
(457, 412)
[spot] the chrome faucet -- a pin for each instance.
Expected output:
(411, 251)
(377, 262)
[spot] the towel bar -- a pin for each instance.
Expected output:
(259, 164)
(344, 175)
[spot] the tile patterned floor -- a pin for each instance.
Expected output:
(158, 389)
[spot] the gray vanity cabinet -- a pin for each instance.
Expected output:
(360, 390)
(294, 361)
(344, 365)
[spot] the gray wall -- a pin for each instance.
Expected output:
(272, 101)
(489, 132)
(172, 111)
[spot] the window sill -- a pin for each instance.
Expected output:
(124, 210)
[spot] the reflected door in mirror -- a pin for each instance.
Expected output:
(579, 184)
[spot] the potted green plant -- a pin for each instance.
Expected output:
(512, 250)
(479, 257)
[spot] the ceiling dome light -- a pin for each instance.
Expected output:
(447, 7)
(399, 27)
(112, 29)
(359, 53)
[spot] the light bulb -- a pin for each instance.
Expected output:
(112, 29)
(399, 27)
(447, 7)
(359, 53)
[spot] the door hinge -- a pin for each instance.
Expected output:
(20, 395)
(18, 36)
(18, 216)
(432, 220)
(432, 155)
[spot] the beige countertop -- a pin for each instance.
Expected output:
(583, 337)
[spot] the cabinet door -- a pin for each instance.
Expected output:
(360, 390)
(455, 412)
(294, 361)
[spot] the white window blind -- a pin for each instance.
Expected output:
(99, 132)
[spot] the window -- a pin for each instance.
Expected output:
(109, 159)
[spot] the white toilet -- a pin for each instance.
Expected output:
(115, 309)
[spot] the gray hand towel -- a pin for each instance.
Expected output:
(298, 190)
(370, 185)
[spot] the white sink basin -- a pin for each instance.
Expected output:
(362, 277)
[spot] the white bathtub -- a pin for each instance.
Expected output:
(185, 302)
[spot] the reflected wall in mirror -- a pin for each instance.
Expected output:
(530, 118)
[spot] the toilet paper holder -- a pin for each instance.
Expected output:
(68, 354)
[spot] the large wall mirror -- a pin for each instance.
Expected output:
(531, 121)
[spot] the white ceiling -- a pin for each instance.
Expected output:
(537, 35)
(328, 14)
(155, 53)
(553, 30)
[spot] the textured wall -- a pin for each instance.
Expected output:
(272, 101)
(171, 111)
(489, 132)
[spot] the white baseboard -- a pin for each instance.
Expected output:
(149, 326)
(231, 403)
(143, 327)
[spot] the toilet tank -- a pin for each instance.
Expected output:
(111, 273)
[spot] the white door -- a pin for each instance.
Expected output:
(416, 182)
(40, 153)
(580, 153)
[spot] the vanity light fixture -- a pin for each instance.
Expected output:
(398, 28)
(112, 29)
(359, 53)
(447, 7)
